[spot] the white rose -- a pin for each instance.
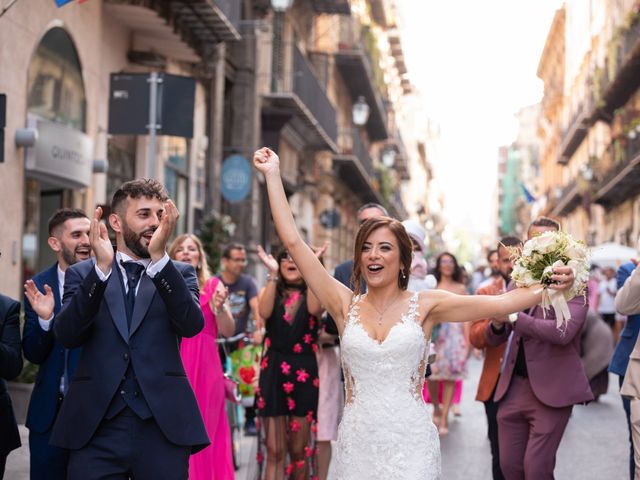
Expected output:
(547, 242)
(576, 251)
(528, 248)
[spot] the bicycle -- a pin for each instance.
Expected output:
(234, 407)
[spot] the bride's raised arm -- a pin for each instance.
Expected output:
(448, 307)
(334, 296)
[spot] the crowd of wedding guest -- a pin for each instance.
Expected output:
(87, 327)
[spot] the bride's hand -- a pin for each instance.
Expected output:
(268, 260)
(266, 161)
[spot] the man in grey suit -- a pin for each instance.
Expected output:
(130, 411)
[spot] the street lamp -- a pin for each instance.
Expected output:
(281, 5)
(360, 112)
(587, 172)
(389, 157)
(279, 8)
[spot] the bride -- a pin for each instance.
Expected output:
(386, 431)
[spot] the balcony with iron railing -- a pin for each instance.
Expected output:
(231, 12)
(354, 166)
(620, 77)
(298, 95)
(197, 24)
(576, 131)
(357, 60)
(568, 199)
(340, 7)
(621, 180)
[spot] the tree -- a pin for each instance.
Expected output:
(215, 232)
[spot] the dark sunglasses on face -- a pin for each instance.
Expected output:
(286, 257)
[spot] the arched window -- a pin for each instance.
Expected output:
(56, 89)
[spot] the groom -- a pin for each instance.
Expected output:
(129, 410)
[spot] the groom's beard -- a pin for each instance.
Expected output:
(133, 241)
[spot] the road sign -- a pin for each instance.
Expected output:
(235, 179)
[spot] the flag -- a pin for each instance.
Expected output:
(61, 3)
(527, 194)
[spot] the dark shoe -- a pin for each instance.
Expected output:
(250, 428)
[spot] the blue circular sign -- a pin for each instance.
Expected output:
(235, 179)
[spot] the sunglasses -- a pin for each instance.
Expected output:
(286, 257)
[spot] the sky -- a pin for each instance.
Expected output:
(475, 64)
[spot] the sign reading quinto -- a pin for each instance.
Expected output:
(61, 155)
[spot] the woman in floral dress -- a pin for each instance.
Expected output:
(287, 400)
(452, 345)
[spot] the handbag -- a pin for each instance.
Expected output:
(231, 389)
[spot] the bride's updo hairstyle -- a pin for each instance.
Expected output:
(404, 244)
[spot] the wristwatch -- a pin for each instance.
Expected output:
(513, 317)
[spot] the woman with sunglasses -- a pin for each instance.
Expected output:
(385, 432)
(288, 395)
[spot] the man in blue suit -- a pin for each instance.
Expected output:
(130, 411)
(620, 358)
(10, 367)
(69, 239)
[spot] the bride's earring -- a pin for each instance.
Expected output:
(404, 275)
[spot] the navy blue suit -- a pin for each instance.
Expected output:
(10, 367)
(620, 358)
(147, 353)
(42, 348)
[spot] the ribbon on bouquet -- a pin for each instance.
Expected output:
(555, 299)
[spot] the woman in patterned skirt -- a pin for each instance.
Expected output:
(288, 395)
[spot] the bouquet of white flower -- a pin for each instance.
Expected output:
(535, 263)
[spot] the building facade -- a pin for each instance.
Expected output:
(285, 76)
(591, 151)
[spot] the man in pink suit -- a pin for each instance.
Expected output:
(542, 378)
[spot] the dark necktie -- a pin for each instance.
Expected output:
(133, 270)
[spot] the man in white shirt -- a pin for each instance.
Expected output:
(130, 411)
(69, 240)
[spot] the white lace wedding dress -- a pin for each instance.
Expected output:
(386, 430)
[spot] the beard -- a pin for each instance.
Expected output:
(506, 276)
(133, 241)
(70, 256)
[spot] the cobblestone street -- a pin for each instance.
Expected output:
(594, 446)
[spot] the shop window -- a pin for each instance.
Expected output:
(55, 86)
(176, 177)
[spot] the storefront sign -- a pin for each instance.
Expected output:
(330, 218)
(62, 156)
(235, 180)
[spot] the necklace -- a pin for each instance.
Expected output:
(381, 312)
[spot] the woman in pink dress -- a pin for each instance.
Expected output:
(202, 364)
